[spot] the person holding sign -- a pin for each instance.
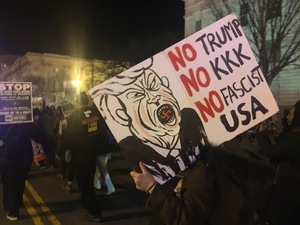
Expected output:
(221, 188)
(205, 89)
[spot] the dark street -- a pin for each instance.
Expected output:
(46, 202)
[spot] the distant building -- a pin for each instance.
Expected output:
(6, 61)
(286, 86)
(52, 76)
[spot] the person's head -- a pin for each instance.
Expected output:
(82, 98)
(59, 109)
(293, 118)
(36, 114)
(192, 132)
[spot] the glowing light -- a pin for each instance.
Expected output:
(76, 83)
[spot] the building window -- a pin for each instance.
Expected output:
(67, 67)
(244, 10)
(274, 9)
(198, 25)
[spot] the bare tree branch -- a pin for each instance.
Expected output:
(275, 38)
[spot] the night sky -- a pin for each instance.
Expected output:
(88, 29)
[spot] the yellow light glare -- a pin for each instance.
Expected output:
(76, 83)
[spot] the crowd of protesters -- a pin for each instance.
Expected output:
(51, 141)
(252, 179)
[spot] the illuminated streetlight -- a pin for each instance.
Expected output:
(76, 84)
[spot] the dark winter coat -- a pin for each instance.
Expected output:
(284, 201)
(221, 188)
(84, 134)
(17, 149)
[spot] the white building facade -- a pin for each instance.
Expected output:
(52, 75)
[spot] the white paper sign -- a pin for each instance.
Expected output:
(207, 87)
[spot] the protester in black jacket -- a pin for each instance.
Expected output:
(84, 137)
(16, 157)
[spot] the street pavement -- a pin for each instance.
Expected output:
(47, 203)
